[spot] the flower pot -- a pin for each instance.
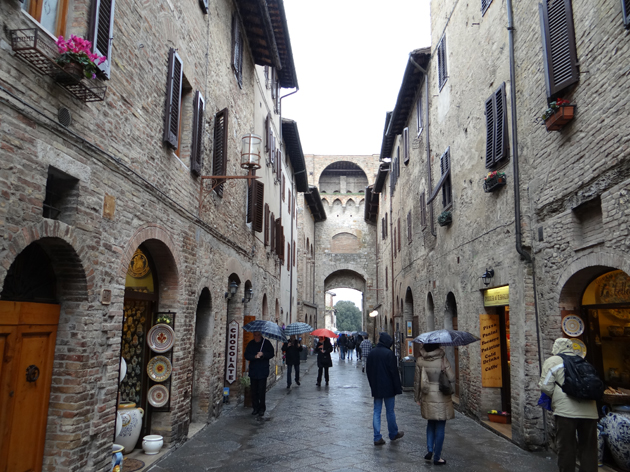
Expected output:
(131, 418)
(71, 74)
(503, 419)
(247, 397)
(445, 218)
(117, 457)
(152, 444)
(560, 118)
(492, 184)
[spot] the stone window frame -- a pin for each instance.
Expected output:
(442, 63)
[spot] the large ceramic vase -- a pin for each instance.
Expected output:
(131, 418)
(617, 429)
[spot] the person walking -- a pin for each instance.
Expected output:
(350, 345)
(343, 340)
(324, 360)
(366, 347)
(572, 415)
(384, 379)
(292, 349)
(258, 352)
(435, 407)
(358, 346)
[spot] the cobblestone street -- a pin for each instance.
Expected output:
(330, 428)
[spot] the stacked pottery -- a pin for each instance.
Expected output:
(131, 418)
(617, 428)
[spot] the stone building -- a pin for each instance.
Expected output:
(510, 262)
(110, 225)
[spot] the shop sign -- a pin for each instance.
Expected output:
(232, 352)
(490, 351)
(410, 348)
(497, 296)
(409, 329)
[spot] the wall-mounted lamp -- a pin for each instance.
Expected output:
(233, 287)
(248, 295)
(250, 151)
(487, 275)
(373, 314)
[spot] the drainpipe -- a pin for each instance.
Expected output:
(517, 195)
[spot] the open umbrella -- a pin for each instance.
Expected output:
(297, 328)
(362, 333)
(267, 328)
(447, 337)
(324, 332)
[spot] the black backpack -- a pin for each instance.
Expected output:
(580, 379)
(351, 345)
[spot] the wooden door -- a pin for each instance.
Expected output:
(27, 347)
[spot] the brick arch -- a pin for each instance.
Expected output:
(142, 235)
(345, 279)
(354, 160)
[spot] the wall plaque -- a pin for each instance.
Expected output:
(490, 351)
(232, 352)
(497, 296)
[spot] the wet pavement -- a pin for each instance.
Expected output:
(330, 428)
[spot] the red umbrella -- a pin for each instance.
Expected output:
(323, 332)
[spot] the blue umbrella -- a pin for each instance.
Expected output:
(267, 328)
(297, 328)
(447, 337)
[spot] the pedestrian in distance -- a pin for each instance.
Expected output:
(384, 379)
(342, 346)
(350, 345)
(435, 407)
(291, 350)
(358, 348)
(366, 347)
(572, 415)
(258, 352)
(324, 359)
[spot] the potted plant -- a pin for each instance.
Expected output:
(247, 391)
(77, 59)
(497, 416)
(445, 218)
(494, 181)
(558, 114)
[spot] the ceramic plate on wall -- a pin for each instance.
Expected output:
(158, 395)
(159, 369)
(579, 347)
(161, 338)
(572, 325)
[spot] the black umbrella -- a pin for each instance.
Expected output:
(447, 337)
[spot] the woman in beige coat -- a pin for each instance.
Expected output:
(434, 405)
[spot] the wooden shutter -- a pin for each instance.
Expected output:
(559, 51)
(423, 210)
(268, 136)
(204, 6)
(283, 185)
(394, 242)
(484, 6)
(500, 125)
(196, 155)
(266, 233)
(386, 280)
(173, 99)
(288, 256)
(259, 204)
(625, 12)
(289, 205)
(490, 128)
(278, 241)
(405, 137)
(293, 253)
(399, 235)
(386, 227)
(250, 203)
(282, 243)
(409, 226)
(445, 166)
(219, 158)
(442, 70)
(419, 114)
(102, 32)
(237, 50)
(272, 233)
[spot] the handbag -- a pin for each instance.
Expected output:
(445, 383)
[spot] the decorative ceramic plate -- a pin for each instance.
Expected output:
(161, 338)
(579, 347)
(159, 369)
(572, 325)
(158, 395)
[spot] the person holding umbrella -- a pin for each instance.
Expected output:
(324, 360)
(258, 352)
(292, 349)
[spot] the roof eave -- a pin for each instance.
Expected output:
(291, 138)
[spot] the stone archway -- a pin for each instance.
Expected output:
(345, 279)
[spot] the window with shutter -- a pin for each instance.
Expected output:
(102, 32)
(625, 12)
(399, 235)
(283, 192)
(382, 228)
(196, 155)
(395, 246)
(484, 6)
(386, 280)
(289, 205)
(445, 180)
(250, 202)
(219, 158)
(423, 210)
(405, 138)
(496, 128)
(386, 227)
(259, 205)
(279, 236)
(204, 6)
(419, 114)
(237, 50)
(559, 51)
(409, 227)
(268, 135)
(288, 256)
(173, 99)
(272, 233)
(441, 65)
(266, 233)
(282, 254)
(293, 253)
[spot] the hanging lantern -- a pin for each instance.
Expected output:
(250, 151)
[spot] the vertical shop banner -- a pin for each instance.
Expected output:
(247, 337)
(410, 348)
(490, 351)
(232, 352)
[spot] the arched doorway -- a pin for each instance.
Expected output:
(410, 323)
(450, 322)
(202, 401)
(42, 289)
(265, 308)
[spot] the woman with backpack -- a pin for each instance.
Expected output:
(435, 407)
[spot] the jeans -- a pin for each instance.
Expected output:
(435, 437)
(350, 351)
(392, 427)
(319, 375)
(259, 392)
(342, 352)
(297, 373)
(584, 447)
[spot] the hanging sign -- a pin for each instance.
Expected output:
(232, 352)
(497, 296)
(490, 351)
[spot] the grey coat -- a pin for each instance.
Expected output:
(433, 404)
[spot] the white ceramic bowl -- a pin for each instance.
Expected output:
(152, 443)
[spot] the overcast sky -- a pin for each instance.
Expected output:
(350, 57)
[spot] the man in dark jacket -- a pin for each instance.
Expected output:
(342, 341)
(382, 373)
(258, 352)
(292, 350)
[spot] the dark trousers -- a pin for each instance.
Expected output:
(259, 391)
(297, 373)
(584, 447)
(319, 374)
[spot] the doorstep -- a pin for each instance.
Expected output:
(503, 429)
